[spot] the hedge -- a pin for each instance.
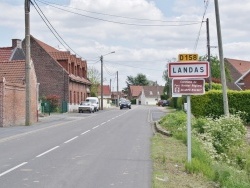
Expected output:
(211, 103)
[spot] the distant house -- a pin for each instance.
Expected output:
(13, 93)
(106, 96)
(59, 73)
(150, 95)
(239, 72)
(134, 93)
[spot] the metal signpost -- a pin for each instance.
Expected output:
(187, 81)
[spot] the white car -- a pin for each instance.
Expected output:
(94, 101)
(86, 106)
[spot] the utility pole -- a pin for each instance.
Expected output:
(117, 90)
(208, 55)
(27, 61)
(101, 58)
(222, 67)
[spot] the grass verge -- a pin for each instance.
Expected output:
(169, 157)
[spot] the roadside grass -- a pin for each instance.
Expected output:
(169, 157)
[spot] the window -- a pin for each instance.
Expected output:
(150, 93)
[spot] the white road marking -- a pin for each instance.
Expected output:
(47, 151)
(96, 127)
(85, 132)
(103, 123)
(8, 171)
(71, 140)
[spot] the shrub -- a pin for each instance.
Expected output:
(54, 102)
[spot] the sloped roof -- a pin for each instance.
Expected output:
(5, 53)
(241, 66)
(106, 90)
(79, 79)
(45, 46)
(237, 69)
(135, 90)
(153, 91)
(13, 71)
(60, 55)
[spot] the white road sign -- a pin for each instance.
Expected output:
(197, 69)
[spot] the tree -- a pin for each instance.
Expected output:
(94, 76)
(215, 67)
(139, 80)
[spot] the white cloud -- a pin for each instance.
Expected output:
(139, 49)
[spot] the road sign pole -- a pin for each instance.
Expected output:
(189, 155)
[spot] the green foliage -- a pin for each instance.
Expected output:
(219, 149)
(133, 101)
(211, 104)
(215, 86)
(176, 123)
(139, 80)
(54, 102)
(94, 76)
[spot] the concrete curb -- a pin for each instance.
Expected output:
(160, 130)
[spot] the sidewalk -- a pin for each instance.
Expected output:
(7, 133)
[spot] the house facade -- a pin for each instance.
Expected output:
(60, 74)
(239, 73)
(134, 92)
(150, 95)
(13, 93)
(106, 96)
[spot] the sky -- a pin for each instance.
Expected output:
(145, 34)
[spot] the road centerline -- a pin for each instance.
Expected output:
(71, 140)
(47, 151)
(14, 168)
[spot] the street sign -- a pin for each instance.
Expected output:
(188, 57)
(188, 86)
(198, 69)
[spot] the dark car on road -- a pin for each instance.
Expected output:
(125, 104)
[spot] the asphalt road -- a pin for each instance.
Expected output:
(110, 148)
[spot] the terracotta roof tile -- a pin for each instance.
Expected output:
(241, 66)
(79, 79)
(5, 53)
(135, 90)
(60, 55)
(106, 90)
(46, 47)
(13, 71)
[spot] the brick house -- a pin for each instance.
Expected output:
(240, 74)
(12, 92)
(59, 73)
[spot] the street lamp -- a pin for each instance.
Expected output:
(101, 59)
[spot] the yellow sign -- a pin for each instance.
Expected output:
(188, 57)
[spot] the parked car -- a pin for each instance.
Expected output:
(163, 103)
(94, 101)
(86, 106)
(125, 104)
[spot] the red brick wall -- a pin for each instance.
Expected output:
(50, 74)
(12, 102)
(246, 82)
(13, 105)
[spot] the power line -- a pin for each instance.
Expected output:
(206, 2)
(112, 15)
(122, 23)
(51, 28)
(135, 66)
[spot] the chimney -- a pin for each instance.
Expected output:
(16, 43)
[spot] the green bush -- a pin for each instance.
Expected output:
(211, 104)
(215, 86)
